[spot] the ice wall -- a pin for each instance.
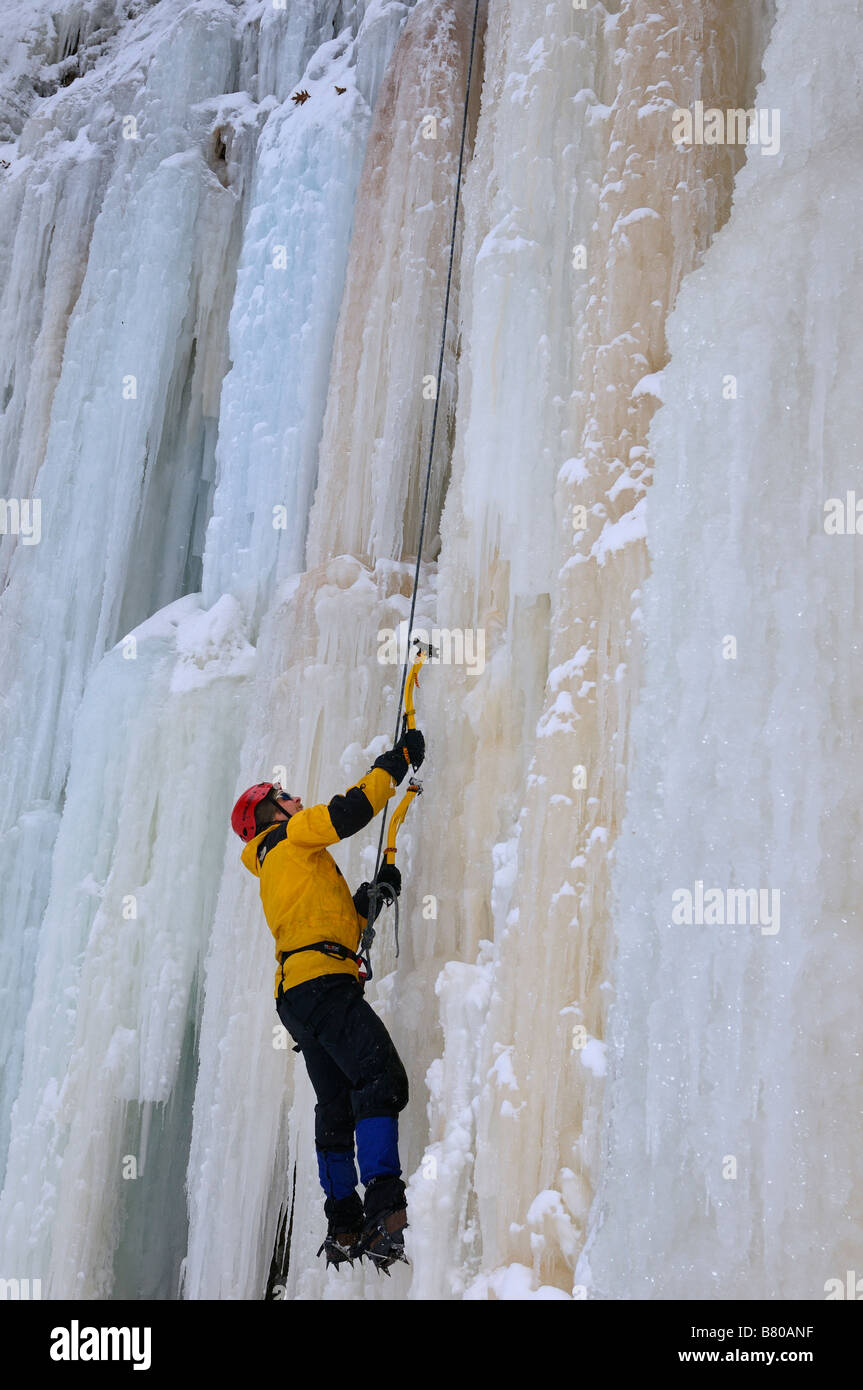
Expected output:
(137, 234)
(377, 430)
(323, 706)
(585, 326)
(283, 321)
(733, 1121)
(107, 1049)
(131, 381)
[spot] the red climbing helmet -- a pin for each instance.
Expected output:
(243, 814)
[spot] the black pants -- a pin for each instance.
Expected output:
(351, 1060)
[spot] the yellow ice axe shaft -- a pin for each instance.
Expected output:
(414, 787)
(413, 681)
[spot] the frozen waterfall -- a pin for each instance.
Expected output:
(221, 302)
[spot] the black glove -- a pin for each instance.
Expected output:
(388, 873)
(415, 746)
(394, 762)
(361, 900)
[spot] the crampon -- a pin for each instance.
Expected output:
(339, 1247)
(382, 1242)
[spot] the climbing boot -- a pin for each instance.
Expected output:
(344, 1229)
(382, 1241)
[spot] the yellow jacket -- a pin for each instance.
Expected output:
(303, 891)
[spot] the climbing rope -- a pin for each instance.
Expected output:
(456, 205)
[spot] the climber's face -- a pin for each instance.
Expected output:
(288, 805)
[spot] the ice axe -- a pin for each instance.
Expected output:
(385, 891)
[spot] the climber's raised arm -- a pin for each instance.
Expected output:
(343, 816)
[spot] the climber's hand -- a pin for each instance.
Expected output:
(388, 873)
(394, 762)
(414, 745)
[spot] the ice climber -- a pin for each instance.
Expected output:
(357, 1075)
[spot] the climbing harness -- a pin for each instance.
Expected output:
(334, 949)
(409, 679)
